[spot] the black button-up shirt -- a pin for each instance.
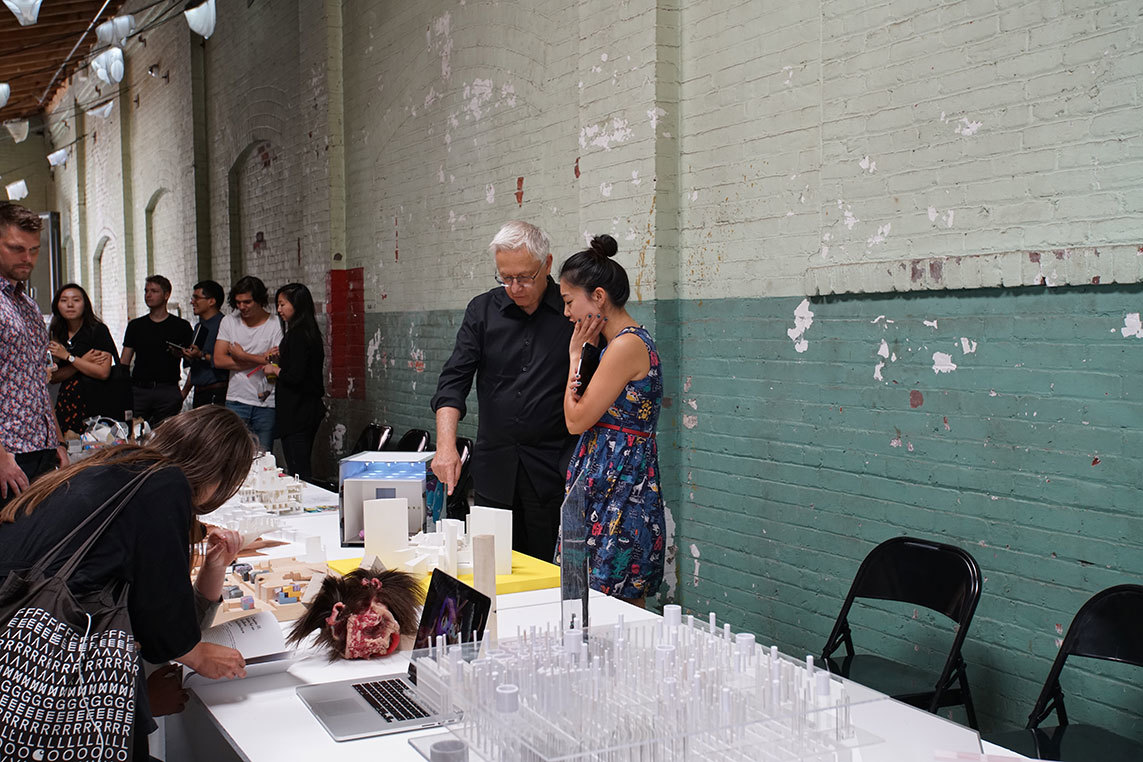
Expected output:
(520, 362)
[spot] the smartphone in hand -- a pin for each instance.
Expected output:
(588, 364)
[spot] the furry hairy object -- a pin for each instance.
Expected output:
(347, 608)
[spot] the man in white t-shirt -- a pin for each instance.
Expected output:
(247, 340)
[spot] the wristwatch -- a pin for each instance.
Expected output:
(71, 358)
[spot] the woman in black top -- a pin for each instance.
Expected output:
(84, 352)
(301, 362)
(200, 459)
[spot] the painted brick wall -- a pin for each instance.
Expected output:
(818, 134)
(743, 156)
(796, 463)
(160, 157)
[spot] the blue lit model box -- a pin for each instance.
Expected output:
(378, 475)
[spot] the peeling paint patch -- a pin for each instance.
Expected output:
(654, 115)
(942, 363)
(967, 127)
(519, 191)
(883, 350)
(932, 214)
(605, 189)
(868, 165)
(439, 38)
(848, 217)
(967, 346)
(635, 177)
(690, 421)
(577, 167)
(417, 361)
(877, 372)
(372, 349)
(878, 319)
(895, 442)
(947, 427)
(803, 319)
(880, 236)
(605, 134)
(1132, 326)
(930, 323)
(916, 399)
(337, 438)
(695, 555)
(490, 193)
(692, 403)
(688, 383)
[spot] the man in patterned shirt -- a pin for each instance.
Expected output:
(30, 441)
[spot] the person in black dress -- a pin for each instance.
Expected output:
(84, 352)
(298, 375)
(200, 459)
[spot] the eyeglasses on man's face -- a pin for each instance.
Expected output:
(518, 280)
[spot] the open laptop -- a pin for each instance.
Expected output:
(375, 706)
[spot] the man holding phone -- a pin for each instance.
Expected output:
(513, 341)
(155, 342)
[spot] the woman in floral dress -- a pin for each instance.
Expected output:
(616, 416)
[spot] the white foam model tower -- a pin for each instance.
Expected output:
(385, 530)
(484, 578)
(498, 522)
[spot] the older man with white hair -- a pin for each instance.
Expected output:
(514, 341)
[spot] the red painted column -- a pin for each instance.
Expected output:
(346, 310)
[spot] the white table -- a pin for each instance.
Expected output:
(262, 719)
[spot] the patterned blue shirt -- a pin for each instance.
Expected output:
(27, 423)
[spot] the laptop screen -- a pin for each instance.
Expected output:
(453, 611)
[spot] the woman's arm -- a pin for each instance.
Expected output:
(625, 360)
(296, 356)
(222, 546)
(94, 364)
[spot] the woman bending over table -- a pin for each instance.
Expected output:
(198, 461)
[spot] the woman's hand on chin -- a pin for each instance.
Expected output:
(586, 331)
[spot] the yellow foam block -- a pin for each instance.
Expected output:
(527, 574)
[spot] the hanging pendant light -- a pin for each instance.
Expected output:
(17, 190)
(18, 129)
(5, 91)
(201, 19)
(109, 66)
(115, 31)
(27, 11)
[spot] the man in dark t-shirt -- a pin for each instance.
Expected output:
(155, 341)
(209, 382)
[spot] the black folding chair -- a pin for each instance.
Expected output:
(413, 440)
(373, 438)
(1108, 627)
(939, 577)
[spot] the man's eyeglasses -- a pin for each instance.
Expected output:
(519, 280)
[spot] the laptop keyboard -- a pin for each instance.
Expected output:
(389, 699)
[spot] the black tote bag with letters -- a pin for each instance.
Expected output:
(67, 662)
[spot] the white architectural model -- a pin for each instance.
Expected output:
(671, 690)
(448, 549)
(267, 486)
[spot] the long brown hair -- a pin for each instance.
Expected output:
(209, 445)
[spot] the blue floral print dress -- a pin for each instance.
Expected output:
(624, 509)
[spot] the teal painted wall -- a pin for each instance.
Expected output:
(788, 467)
(794, 465)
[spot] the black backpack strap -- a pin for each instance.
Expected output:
(116, 503)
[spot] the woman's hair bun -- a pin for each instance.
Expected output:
(604, 245)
